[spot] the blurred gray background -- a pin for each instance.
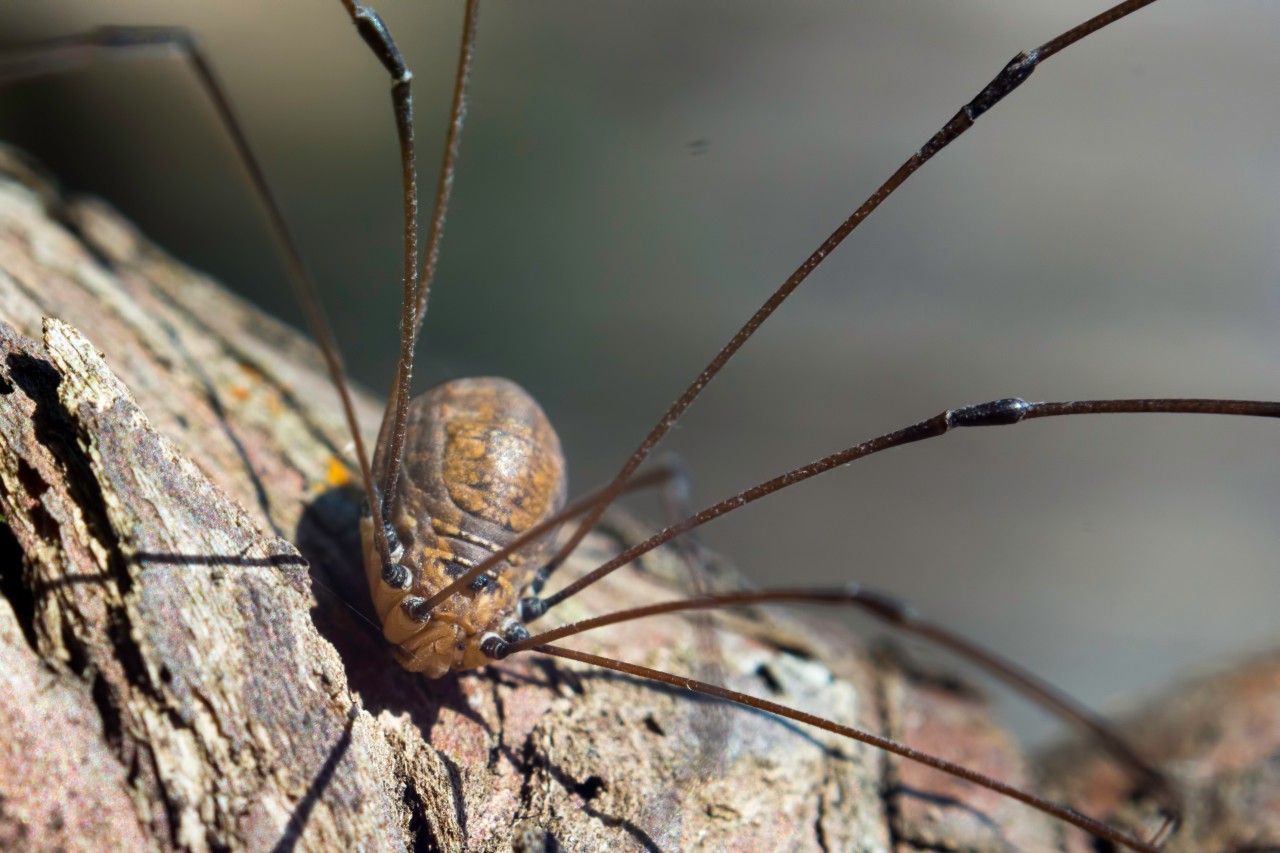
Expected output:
(637, 177)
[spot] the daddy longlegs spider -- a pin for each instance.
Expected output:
(1269, 410)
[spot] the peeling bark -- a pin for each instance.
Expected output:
(184, 626)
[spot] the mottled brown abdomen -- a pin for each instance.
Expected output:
(482, 465)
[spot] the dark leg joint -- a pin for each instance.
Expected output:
(376, 35)
(539, 581)
(494, 647)
(415, 608)
(1010, 77)
(393, 538)
(396, 576)
(1009, 410)
(531, 609)
(515, 632)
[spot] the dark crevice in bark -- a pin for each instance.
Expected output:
(13, 566)
(771, 683)
(108, 713)
(35, 486)
(819, 831)
(455, 785)
(525, 763)
(424, 840)
(586, 790)
(500, 730)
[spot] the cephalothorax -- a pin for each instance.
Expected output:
(482, 466)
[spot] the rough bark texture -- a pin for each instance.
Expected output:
(190, 664)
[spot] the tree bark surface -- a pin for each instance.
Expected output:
(190, 662)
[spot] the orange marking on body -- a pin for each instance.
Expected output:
(337, 474)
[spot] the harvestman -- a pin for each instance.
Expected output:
(467, 486)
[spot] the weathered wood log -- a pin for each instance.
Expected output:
(191, 663)
(1219, 736)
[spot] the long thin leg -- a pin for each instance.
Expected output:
(73, 53)
(995, 413)
(76, 52)
(657, 476)
(902, 616)
(1088, 824)
(417, 283)
(1010, 77)
(378, 38)
(1003, 412)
